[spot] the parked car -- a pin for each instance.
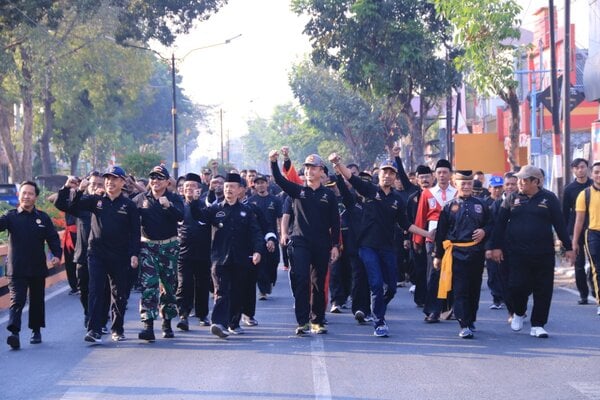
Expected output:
(9, 194)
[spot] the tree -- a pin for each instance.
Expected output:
(485, 30)
(338, 111)
(389, 50)
(139, 164)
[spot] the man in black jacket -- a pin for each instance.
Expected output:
(526, 221)
(236, 244)
(28, 229)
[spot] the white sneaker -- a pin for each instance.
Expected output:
(412, 289)
(539, 332)
(517, 323)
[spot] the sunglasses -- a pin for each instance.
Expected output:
(158, 178)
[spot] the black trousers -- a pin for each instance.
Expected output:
(531, 274)
(466, 286)
(308, 270)
(18, 288)
(592, 248)
(361, 294)
(243, 294)
(116, 269)
(193, 284)
(225, 282)
(267, 271)
(419, 261)
(70, 264)
(494, 281)
(340, 279)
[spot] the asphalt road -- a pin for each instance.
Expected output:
(417, 361)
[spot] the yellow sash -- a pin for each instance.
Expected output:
(446, 272)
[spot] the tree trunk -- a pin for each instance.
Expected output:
(9, 148)
(48, 100)
(74, 159)
(416, 136)
(27, 99)
(515, 127)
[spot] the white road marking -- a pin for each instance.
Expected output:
(575, 292)
(319, 368)
(591, 390)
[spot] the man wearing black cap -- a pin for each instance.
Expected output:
(428, 213)
(525, 222)
(160, 212)
(383, 209)
(26, 268)
(237, 243)
(193, 263)
(270, 207)
(114, 245)
(313, 243)
(464, 223)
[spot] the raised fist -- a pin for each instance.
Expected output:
(273, 155)
(334, 158)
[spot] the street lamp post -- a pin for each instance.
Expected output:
(174, 117)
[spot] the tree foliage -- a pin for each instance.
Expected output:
(389, 50)
(486, 31)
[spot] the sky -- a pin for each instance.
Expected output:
(249, 76)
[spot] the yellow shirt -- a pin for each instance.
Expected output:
(594, 207)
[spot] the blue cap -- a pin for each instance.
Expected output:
(496, 181)
(388, 164)
(115, 171)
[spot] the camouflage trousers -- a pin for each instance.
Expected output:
(158, 276)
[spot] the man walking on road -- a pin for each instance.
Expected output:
(160, 212)
(114, 245)
(587, 207)
(314, 241)
(525, 221)
(28, 229)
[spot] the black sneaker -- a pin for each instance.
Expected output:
(117, 337)
(104, 331)
(183, 324)
(303, 329)
(36, 337)
(13, 341)
(219, 330)
(93, 337)
(204, 322)
(360, 317)
(582, 301)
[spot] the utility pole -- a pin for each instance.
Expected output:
(557, 166)
(566, 95)
(174, 117)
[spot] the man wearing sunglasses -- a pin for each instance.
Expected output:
(160, 211)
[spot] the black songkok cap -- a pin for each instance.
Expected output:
(423, 170)
(442, 163)
(192, 177)
(232, 177)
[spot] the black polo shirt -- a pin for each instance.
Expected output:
(27, 232)
(317, 221)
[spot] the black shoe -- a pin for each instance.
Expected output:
(93, 337)
(13, 341)
(167, 331)
(204, 322)
(117, 337)
(582, 301)
(432, 318)
(73, 292)
(36, 337)
(183, 324)
(148, 332)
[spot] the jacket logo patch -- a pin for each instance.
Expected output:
(243, 213)
(543, 203)
(324, 198)
(478, 208)
(432, 202)
(220, 214)
(454, 208)
(302, 194)
(99, 204)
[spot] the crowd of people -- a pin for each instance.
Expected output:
(349, 239)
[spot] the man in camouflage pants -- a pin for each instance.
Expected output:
(160, 211)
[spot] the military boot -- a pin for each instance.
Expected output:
(167, 330)
(148, 332)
